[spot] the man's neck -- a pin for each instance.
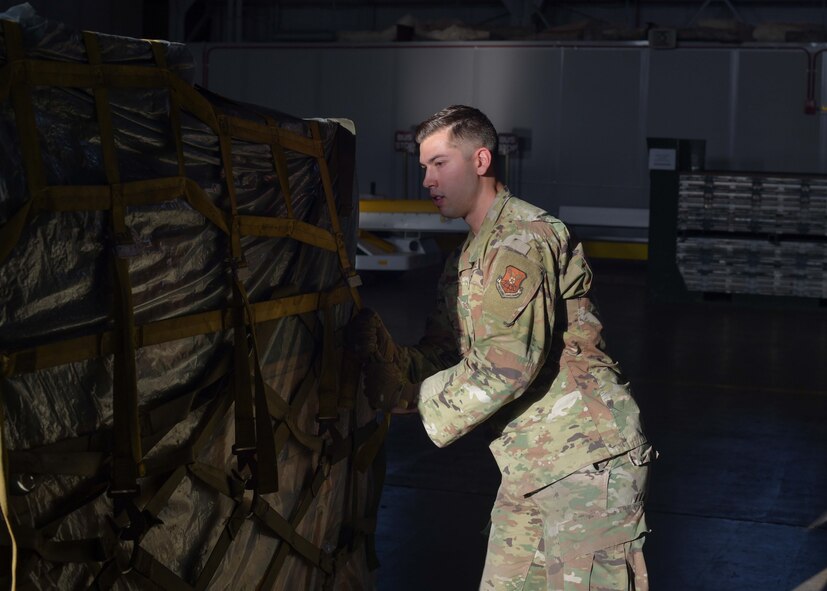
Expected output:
(488, 193)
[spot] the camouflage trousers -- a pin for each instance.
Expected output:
(584, 532)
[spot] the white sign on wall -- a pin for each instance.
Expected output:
(662, 159)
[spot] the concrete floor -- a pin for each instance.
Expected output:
(734, 395)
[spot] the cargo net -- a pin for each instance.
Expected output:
(177, 409)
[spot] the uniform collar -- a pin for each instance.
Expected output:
(475, 243)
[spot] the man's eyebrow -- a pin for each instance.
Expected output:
(432, 158)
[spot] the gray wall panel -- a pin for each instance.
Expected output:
(689, 97)
(284, 79)
(772, 130)
(519, 89)
(601, 131)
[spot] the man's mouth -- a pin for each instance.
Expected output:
(437, 199)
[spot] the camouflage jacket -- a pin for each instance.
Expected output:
(516, 342)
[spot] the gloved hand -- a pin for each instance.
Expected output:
(387, 388)
(368, 338)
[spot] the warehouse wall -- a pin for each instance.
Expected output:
(582, 112)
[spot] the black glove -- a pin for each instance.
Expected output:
(368, 338)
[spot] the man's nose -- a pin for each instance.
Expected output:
(429, 180)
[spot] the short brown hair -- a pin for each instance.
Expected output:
(465, 123)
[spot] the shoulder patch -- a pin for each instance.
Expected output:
(510, 283)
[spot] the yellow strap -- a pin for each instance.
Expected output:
(286, 228)
(266, 452)
(252, 131)
(327, 186)
(76, 75)
(161, 331)
(225, 144)
(245, 426)
(280, 164)
(159, 53)
(127, 453)
(145, 192)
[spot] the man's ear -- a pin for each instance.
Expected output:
(483, 161)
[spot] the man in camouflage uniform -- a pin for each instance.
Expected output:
(516, 343)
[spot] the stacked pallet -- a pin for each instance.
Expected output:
(753, 234)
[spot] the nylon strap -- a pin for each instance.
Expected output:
(200, 436)
(82, 550)
(266, 452)
(285, 530)
(228, 534)
(324, 171)
(160, 55)
(283, 413)
(279, 228)
(280, 164)
(149, 567)
(127, 453)
(245, 423)
(161, 331)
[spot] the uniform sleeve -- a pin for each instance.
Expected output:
(512, 330)
(439, 347)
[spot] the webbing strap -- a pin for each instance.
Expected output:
(286, 530)
(266, 451)
(245, 423)
(94, 198)
(280, 164)
(161, 331)
(81, 550)
(160, 55)
(287, 426)
(127, 453)
(199, 437)
(225, 146)
(327, 185)
(149, 567)
(270, 227)
(228, 534)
